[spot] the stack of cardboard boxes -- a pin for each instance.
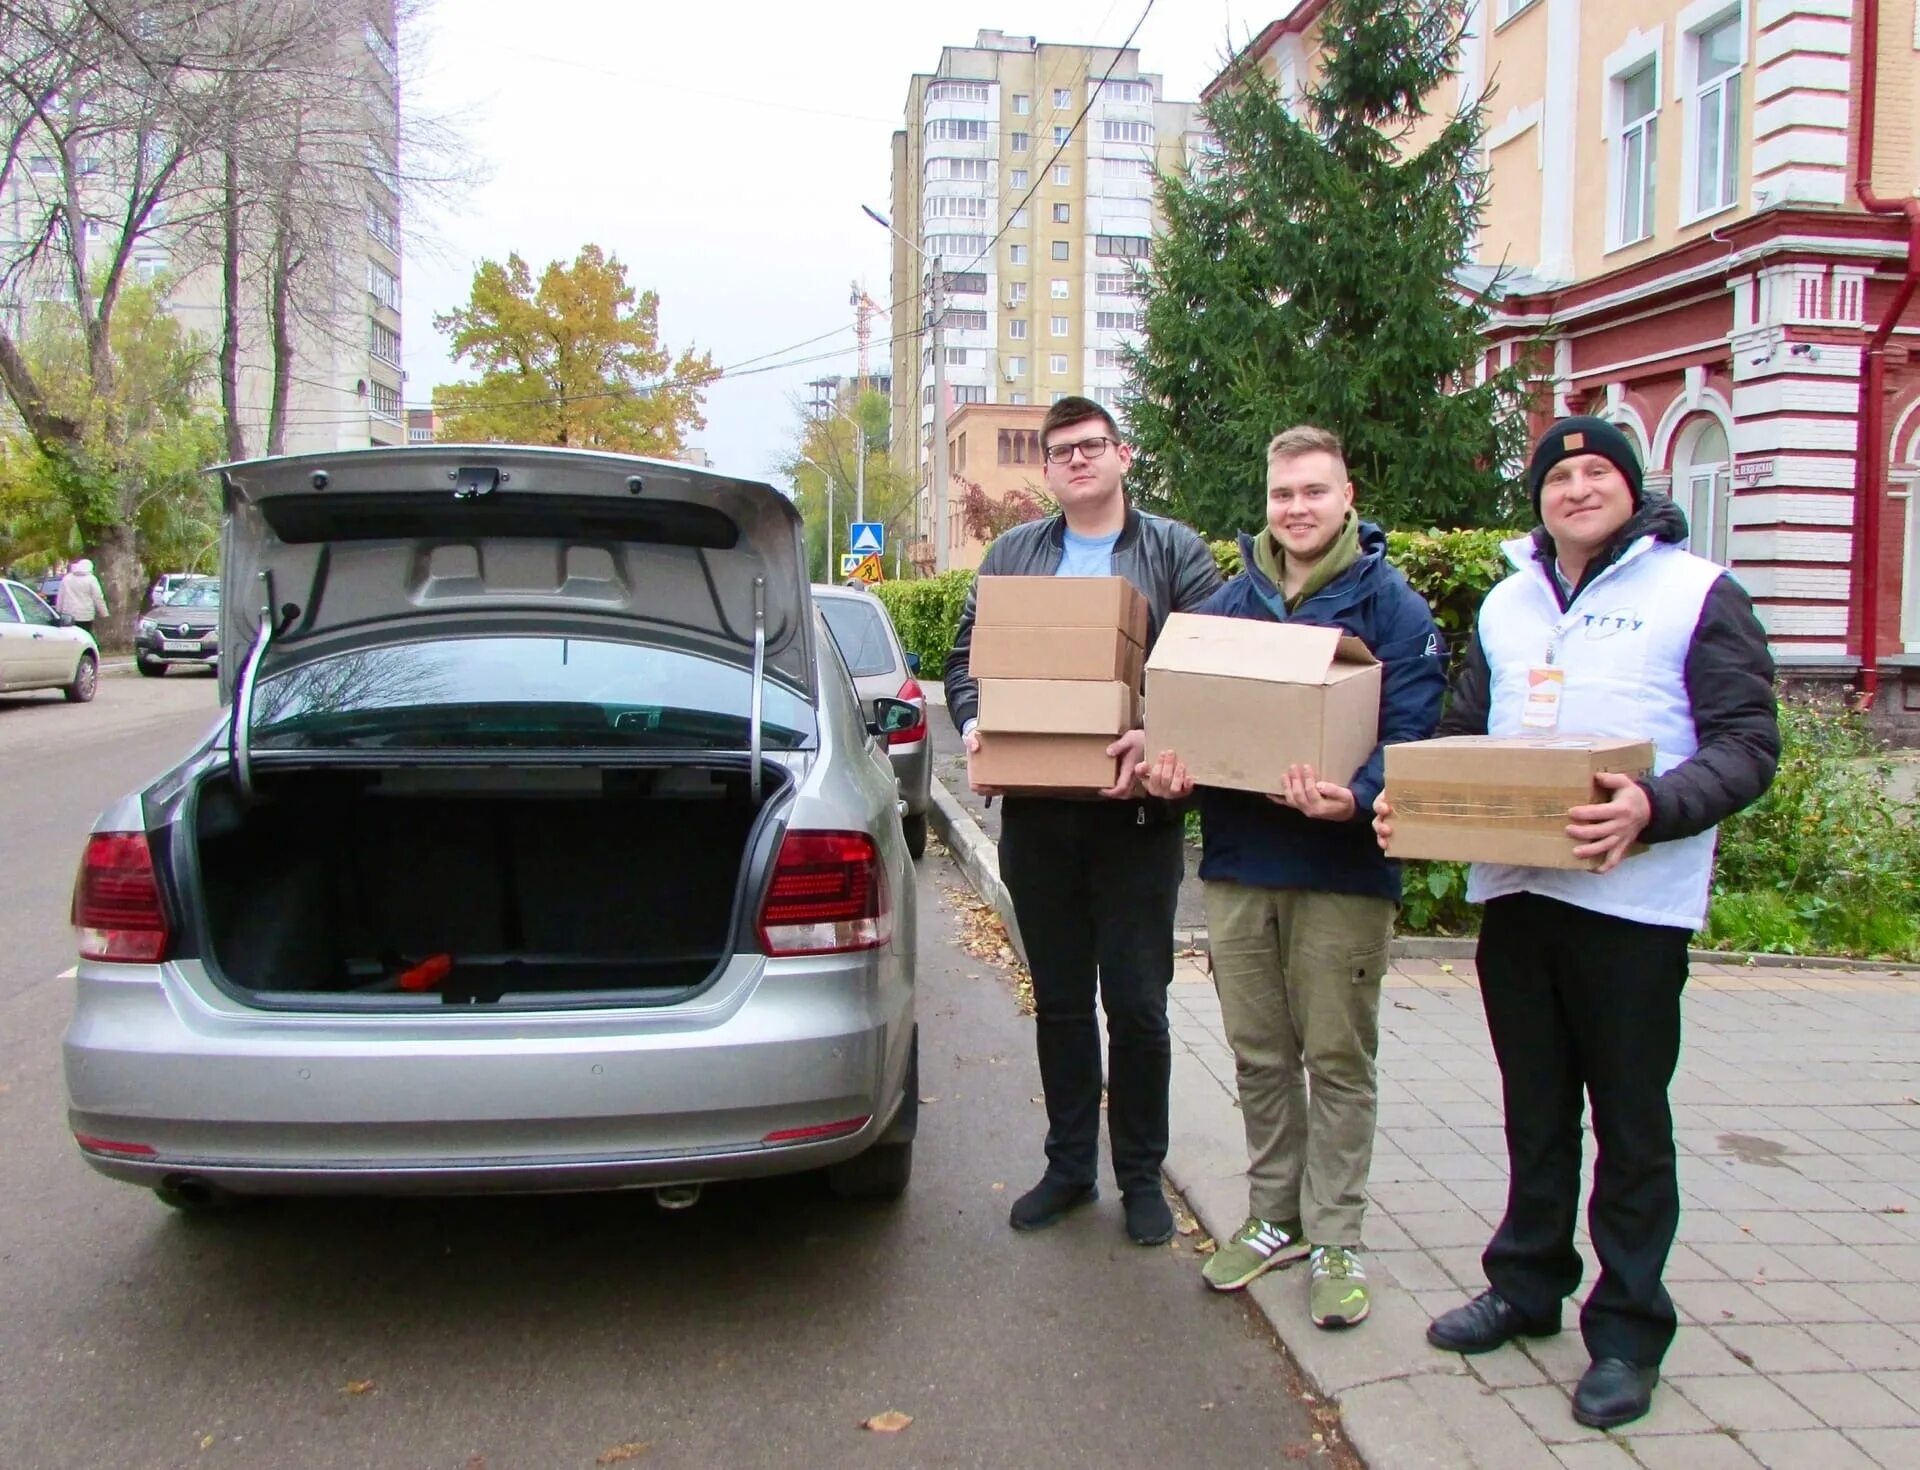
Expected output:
(1058, 661)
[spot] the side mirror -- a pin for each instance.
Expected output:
(63, 620)
(890, 716)
(913, 663)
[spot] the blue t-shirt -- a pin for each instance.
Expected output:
(1088, 556)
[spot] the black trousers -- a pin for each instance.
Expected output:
(1583, 1002)
(1094, 887)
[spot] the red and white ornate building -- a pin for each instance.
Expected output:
(1679, 226)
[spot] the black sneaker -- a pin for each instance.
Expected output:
(1149, 1218)
(1048, 1202)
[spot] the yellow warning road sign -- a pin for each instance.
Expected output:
(867, 569)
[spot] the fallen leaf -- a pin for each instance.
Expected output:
(925, 1100)
(207, 1442)
(1205, 1247)
(1746, 1358)
(358, 1386)
(1444, 970)
(1188, 1227)
(1036, 1099)
(632, 1450)
(998, 1186)
(891, 1422)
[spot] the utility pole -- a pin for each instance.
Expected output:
(939, 497)
(860, 476)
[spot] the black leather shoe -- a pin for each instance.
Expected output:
(1483, 1324)
(1613, 1391)
(1149, 1220)
(1048, 1202)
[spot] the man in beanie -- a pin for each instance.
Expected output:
(1608, 626)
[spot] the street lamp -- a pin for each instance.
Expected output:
(827, 475)
(937, 305)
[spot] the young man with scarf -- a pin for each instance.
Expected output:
(1095, 882)
(1300, 901)
(1581, 971)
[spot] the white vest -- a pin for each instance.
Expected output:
(1624, 646)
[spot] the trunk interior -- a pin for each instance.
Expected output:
(469, 886)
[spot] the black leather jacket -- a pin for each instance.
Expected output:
(1166, 560)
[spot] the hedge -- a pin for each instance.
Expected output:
(1453, 570)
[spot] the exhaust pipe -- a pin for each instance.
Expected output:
(677, 1196)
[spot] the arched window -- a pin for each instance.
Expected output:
(1703, 485)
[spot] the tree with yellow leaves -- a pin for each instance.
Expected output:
(575, 360)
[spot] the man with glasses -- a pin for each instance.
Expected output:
(1094, 883)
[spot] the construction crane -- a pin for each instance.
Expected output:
(865, 308)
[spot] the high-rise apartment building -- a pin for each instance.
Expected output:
(1026, 171)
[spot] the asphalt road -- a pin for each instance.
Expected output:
(759, 1328)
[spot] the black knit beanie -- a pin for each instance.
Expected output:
(1583, 435)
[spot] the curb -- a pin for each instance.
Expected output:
(977, 856)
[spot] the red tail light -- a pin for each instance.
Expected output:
(828, 895)
(913, 693)
(116, 901)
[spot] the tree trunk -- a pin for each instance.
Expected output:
(117, 565)
(280, 334)
(230, 306)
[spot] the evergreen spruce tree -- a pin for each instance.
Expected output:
(1310, 273)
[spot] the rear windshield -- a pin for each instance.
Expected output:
(521, 693)
(859, 630)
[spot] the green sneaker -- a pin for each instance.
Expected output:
(1338, 1296)
(1259, 1245)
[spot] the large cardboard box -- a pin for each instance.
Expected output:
(1102, 654)
(1061, 602)
(1241, 701)
(1500, 799)
(1056, 707)
(1059, 764)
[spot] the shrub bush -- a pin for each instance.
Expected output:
(926, 615)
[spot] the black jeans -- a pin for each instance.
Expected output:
(1094, 886)
(1583, 1002)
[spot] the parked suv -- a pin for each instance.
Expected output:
(882, 669)
(185, 629)
(546, 847)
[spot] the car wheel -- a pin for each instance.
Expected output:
(86, 680)
(916, 830)
(882, 1172)
(150, 667)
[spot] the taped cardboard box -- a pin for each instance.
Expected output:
(1501, 799)
(1241, 701)
(1101, 654)
(1061, 602)
(1058, 764)
(1057, 707)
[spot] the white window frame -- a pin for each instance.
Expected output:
(1641, 50)
(1507, 10)
(1016, 367)
(1063, 214)
(1017, 178)
(1019, 142)
(1062, 135)
(1061, 289)
(1022, 104)
(1017, 329)
(1060, 326)
(1693, 24)
(1063, 175)
(1062, 98)
(1057, 364)
(1019, 220)
(1016, 255)
(1016, 291)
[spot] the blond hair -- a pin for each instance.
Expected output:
(1306, 439)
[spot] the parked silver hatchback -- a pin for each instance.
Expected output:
(544, 846)
(882, 669)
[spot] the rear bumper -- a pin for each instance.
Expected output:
(257, 1102)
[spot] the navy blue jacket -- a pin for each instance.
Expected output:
(1247, 839)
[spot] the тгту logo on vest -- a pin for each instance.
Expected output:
(1620, 620)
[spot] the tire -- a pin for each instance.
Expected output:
(86, 681)
(149, 667)
(882, 1172)
(916, 830)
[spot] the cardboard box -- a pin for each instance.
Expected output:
(1500, 799)
(1058, 764)
(1056, 707)
(1061, 602)
(1104, 654)
(1241, 701)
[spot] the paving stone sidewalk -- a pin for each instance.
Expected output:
(1797, 1272)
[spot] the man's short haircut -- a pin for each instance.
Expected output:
(1073, 410)
(1306, 439)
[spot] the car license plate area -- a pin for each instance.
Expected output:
(180, 645)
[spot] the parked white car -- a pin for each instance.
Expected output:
(39, 649)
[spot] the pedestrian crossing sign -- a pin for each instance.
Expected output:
(850, 562)
(865, 536)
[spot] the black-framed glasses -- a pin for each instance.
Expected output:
(1090, 449)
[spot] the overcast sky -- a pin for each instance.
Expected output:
(722, 150)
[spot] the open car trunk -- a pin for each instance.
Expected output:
(474, 886)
